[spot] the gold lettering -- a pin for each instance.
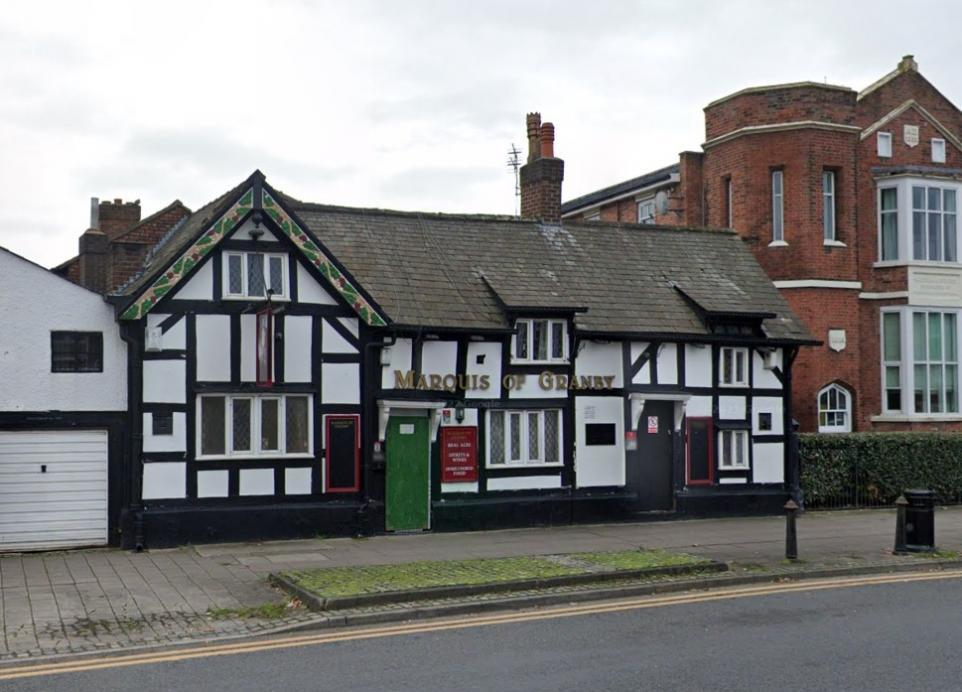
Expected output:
(422, 382)
(404, 380)
(573, 382)
(586, 382)
(435, 381)
(485, 382)
(450, 383)
(507, 381)
(561, 382)
(545, 379)
(597, 382)
(609, 381)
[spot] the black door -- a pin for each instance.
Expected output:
(649, 468)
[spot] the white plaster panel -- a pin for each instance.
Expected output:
(764, 378)
(212, 483)
(491, 352)
(244, 233)
(597, 465)
(248, 348)
(33, 303)
(697, 365)
(166, 443)
(297, 481)
(459, 487)
(165, 481)
(257, 481)
(470, 417)
(736, 480)
(351, 324)
(527, 387)
(698, 407)
(767, 404)
(394, 357)
(668, 364)
(340, 383)
(200, 284)
(309, 290)
(173, 338)
(297, 348)
(768, 462)
(600, 358)
(524, 483)
(165, 381)
(332, 341)
(213, 348)
(643, 376)
(439, 358)
(731, 407)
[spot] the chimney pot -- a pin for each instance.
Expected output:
(118, 201)
(94, 212)
(534, 136)
(547, 141)
(908, 64)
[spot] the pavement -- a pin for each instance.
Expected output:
(83, 601)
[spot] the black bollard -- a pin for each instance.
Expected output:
(791, 536)
(900, 505)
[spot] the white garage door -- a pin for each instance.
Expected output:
(53, 489)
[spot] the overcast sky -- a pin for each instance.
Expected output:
(407, 105)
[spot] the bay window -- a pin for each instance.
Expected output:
(920, 356)
(524, 437)
(254, 425)
(917, 220)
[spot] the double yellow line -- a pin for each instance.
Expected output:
(87, 664)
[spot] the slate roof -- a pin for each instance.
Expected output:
(662, 174)
(466, 271)
(439, 270)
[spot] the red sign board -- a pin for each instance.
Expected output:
(459, 454)
(652, 425)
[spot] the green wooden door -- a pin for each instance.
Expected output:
(407, 474)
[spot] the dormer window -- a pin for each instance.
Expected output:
(251, 274)
(540, 341)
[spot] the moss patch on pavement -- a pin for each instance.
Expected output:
(637, 559)
(339, 582)
(265, 611)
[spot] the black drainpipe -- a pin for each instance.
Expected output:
(134, 438)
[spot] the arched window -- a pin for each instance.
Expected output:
(834, 409)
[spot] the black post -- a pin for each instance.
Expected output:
(900, 504)
(791, 536)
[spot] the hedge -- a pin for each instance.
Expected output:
(874, 468)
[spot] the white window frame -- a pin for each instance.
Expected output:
(883, 144)
(529, 322)
(735, 352)
(727, 450)
(942, 363)
(845, 411)
(938, 150)
(908, 361)
(778, 207)
(593, 216)
(648, 205)
(905, 223)
(941, 214)
(829, 215)
(225, 271)
(255, 452)
(525, 460)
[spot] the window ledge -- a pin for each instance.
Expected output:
(834, 243)
(252, 457)
(551, 465)
(778, 243)
(882, 264)
(917, 418)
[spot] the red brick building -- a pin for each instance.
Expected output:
(849, 201)
(114, 247)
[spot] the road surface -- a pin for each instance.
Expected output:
(893, 632)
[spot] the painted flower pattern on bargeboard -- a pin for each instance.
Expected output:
(321, 261)
(227, 223)
(187, 261)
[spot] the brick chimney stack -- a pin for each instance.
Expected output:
(118, 217)
(542, 176)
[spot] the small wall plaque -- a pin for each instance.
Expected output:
(911, 135)
(836, 339)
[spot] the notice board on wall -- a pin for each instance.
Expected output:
(459, 454)
(343, 453)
